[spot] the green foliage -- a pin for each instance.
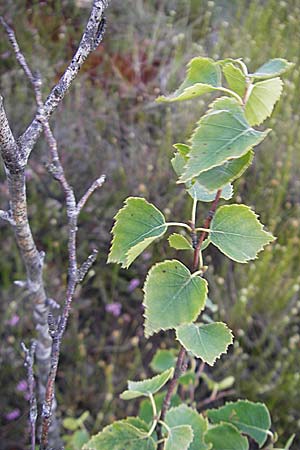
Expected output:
(236, 231)
(235, 78)
(147, 387)
(225, 437)
(250, 418)
(183, 415)
(262, 99)
(179, 242)
(162, 360)
(121, 435)
(173, 296)
(179, 438)
(137, 225)
(207, 342)
(272, 68)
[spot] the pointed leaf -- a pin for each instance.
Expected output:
(226, 437)
(183, 415)
(147, 387)
(203, 75)
(219, 176)
(221, 135)
(121, 435)
(272, 68)
(179, 438)
(262, 99)
(235, 78)
(137, 225)
(237, 232)
(207, 342)
(173, 296)
(179, 242)
(250, 418)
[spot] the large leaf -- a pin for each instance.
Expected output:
(179, 438)
(137, 224)
(235, 78)
(226, 437)
(262, 99)
(237, 232)
(173, 296)
(183, 415)
(207, 342)
(147, 387)
(203, 75)
(179, 242)
(250, 418)
(272, 68)
(223, 134)
(119, 436)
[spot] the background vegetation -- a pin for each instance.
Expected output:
(110, 124)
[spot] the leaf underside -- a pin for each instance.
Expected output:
(147, 387)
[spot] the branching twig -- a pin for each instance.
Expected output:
(6, 215)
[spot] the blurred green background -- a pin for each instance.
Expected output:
(109, 123)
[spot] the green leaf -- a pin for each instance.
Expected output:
(237, 232)
(179, 242)
(219, 176)
(207, 342)
(183, 415)
(187, 379)
(226, 437)
(235, 78)
(71, 424)
(250, 418)
(201, 194)
(137, 225)
(163, 360)
(179, 438)
(146, 411)
(120, 435)
(223, 134)
(203, 75)
(173, 296)
(272, 68)
(78, 439)
(147, 387)
(262, 99)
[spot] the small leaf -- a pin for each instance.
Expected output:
(201, 194)
(226, 383)
(187, 379)
(162, 360)
(179, 438)
(173, 296)
(262, 99)
(120, 435)
(146, 411)
(137, 225)
(203, 75)
(250, 418)
(179, 242)
(147, 387)
(236, 231)
(183, 415)
(272, 68)
(71, 424)
(78, 439)
(235, 78)
(226, 437)
(221, 135)
(207, 342)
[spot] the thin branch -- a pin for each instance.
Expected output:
(96, 184)
(28, 363)
(85, 267)
(90, 40)
(6, 215)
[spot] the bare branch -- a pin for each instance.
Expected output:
(28, 363)
(96, 184)
(6, 215)
(90, 40)
(8, 146)
(85, 267)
